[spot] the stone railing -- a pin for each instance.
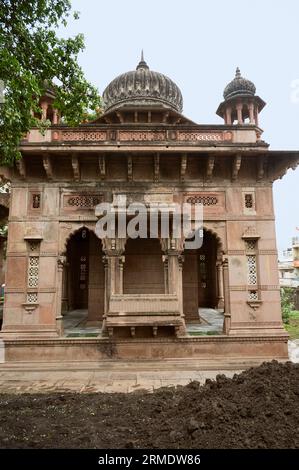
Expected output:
(101, 136)
(149, 304)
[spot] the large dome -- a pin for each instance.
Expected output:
(239, 86)
(142, 87)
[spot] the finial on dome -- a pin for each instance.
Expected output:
(238, 73)
(142, 64)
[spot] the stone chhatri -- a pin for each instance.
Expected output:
(148, 295)
(142, 87)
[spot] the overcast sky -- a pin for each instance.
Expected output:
(199, 44)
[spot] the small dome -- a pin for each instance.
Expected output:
(239, 86)
(142, 87)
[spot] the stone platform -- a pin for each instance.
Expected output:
(106, 366)
(111, 376)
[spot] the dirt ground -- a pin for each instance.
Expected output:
(256, 409)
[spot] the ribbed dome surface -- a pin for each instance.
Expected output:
(142, 87)
(239, 86)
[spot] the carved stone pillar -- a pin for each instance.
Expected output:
(227, 314)
(181, 259)
(256, 116)
(44, 108)
(60, 266)
(69, 290)
(121, 262)
(228, 116)
(239, 108)
(106, 283)
(55, 116)
(251, 113)
(172, 259)
(165, 264)
(173, 271)
(114, 265)
(220, 294)
(65, 281)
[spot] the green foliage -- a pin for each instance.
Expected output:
(32, 56)
(293, 326)
(287, 303)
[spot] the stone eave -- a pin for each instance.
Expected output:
(145, 147)
(269, 164)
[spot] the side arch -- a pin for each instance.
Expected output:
(66, 231)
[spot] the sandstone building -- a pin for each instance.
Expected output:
(143, 294)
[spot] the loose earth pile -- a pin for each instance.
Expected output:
(256, 409)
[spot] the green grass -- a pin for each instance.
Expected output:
(293, 326)
(82, 335)
(295, 314)
(204, 333)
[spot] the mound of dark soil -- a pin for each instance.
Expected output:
(256, 409)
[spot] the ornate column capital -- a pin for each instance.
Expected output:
(121, 261)
(181, 259)
(172, 246)
(61, 262)
(114, 246)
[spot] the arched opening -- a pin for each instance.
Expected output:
(83, 281)
(143, 270)
(201, 284)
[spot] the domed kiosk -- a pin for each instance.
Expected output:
(240, 102)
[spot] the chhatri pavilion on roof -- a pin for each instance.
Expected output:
(146, 297)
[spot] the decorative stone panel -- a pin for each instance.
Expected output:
(90, 136)
(248, 201)
(79, 202)
(213, 202)
(204, 136)
(35, 202)
(141, 135)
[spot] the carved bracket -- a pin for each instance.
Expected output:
(210, 167)
(30, 307)
(76, 167)
(236, 166)
(262, 166)
(183, 166)
(120, 117)
(21, 167)
(102, 166)
(156, 167)
(48, 166)
(130, 167)
(61, 262)
(254, 304)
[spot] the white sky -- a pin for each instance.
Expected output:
(199, 44)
